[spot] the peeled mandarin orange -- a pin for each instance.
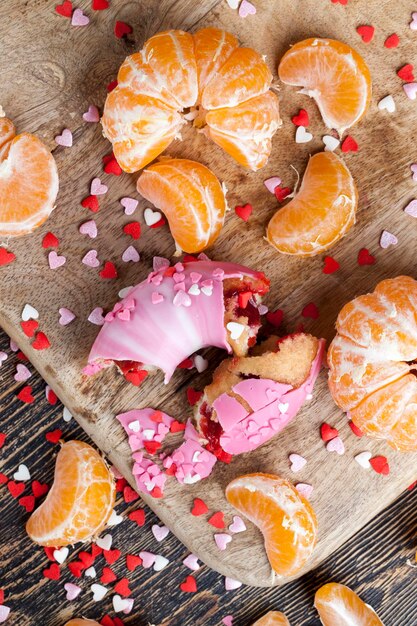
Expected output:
(332, 73)
(28, 181)
(80, 501)
(79, 621)
(177, 74)
(190, 196)
(273, 618)
(338, 605)
(286, 519)
(322, 211)
(371, 361)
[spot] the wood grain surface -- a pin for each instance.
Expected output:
(51, 73)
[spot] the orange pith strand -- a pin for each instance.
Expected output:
(80, 501)
(286, 519)
(372, 362)
(28, 181)
(320, 214)
(338, 605)
(176, 73)
(273, 618)
(332, 73)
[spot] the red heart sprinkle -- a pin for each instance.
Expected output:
(91, 202)
(112, 85)
(366, 32)
(157, 417)
(99, 5)
(86, 558)
(49, 551)
(132, 562)
(343, 2)
(6, 257)
(310, 310)
(122, 588)
(243, 298)
(108, 576)
(76, 568)
(53, 436)
(301, 119)
(121, 29)
(132, 229)
(327, 433)
(356, 431)
(111, 556)
(380, 465)
(1, 596)
(52, 572)
(171, 471)
(96, 550)
(109, 270)
(2, 439)
(406, 73)
(193, 396)
(21, 356)
(29, 327)
(41, 342)
(365, 258)
(3, 479)
(186, 364)
(330, 265)
(176, 427)
(120, 484)
(50, 241)
(217, 519)
(28, 502)
(157, 492)
(152, 446)
(25, 395)
(189, 585)
(199, 507)
(52, 397)
(281, 193)
(118, 622)
(16, 489)
(137, 516)
(136, 378)
(111, 165)
(392, 41)
(39, 489)
(411, 487)
(64, 9)
(107, 621)
(275, 317)
(349, 145)
(244, 212)
(129, 494)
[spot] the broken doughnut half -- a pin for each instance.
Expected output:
(252, 398)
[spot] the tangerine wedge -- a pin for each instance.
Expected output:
(338, 605)
(190, 196)
(28, 181)
(212, 48)
(321, 212)
(79, 621)
(332, 73)
(273, 618)
(80, 501)
(286, 519)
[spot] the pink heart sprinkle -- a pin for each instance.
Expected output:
(129, 204)
(410, 90)
(97, 188)
(413, 23)
(335, 445)
(92, 115)
(156, 297)
(222, 539)
(159, 532)
(297, 462)
(72, 590)
(13, 346)
(65, 138)
(66, 316)
(228, 620)
(387, 239)
(55, 261)
(411, 208)
(22, 373)
(238, 525)
(96, 316)
(413, 168)
(182, 299)
(230, 584)
(271, 183)
(131, 254)
(91, 259)
(79, 19)
(159, 263)
(191, 561)
(304, 489)
(89, 228)
(246, 8)
(4, 613)
(148, 559)
(3, 356)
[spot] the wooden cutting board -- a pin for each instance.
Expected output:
(51, 72)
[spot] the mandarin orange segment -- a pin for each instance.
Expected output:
(213, 47)
(79, 621)
(28, 181)
(273, 618)
(80, 501)
(190, 196)
(338, 605)
(286, 519)
(243, 76)
(321, 212)
(332, 73)
(245, 131)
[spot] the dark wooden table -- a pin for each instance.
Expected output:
(374, 562)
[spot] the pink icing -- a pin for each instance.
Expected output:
(140, 426)
(147, 474)
(273, 406)
(191, 460)
(164, 323)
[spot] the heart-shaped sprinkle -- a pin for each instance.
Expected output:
(304, 489)
(230, 583)
(104, 542)
(387, 104)
(52, 572)
(330, 265)
(73, 591)
(283, 407)
(131, 254)
(200, 363)
(41, 342)
(92, 115)
(302, 135)
(363, 459)
(244, 212)
(228, 620)
(159, 532)
(55, 260)
(199, 507)
(22, 373)
(217, 520)
(64, 139)
(50, 241)
(89, 228)
(410, 90)
(29, 327)
(157, 298)
(6, 257)
(90, 259)
(66, 415)
(99, 591)
(271, 183)
(365, 258)
(235, 329)
(22, 473)
(297, 462)
(91, 202)
(189, 585)
(246, 8)
(160, 562)
(233, 4)
(96, 316)
(148, 559)
(301, 119)
(380, 465)
(238, 525)
(406, 73)
(120, 604)
(392, 41)
(3, 356)
(60, 554)
(335, 445)
(222, 540)
(311, 311)
(79, 18)
(191, 561)
(349, 145)
(387, 239)
(367, 33)
(129, 205)
(66, 316)
(413, 168)
(90, 572)
(25, 395)
(29, 313)
(327, 432)
(64, 9)
(132, 229)
(413, 23)
(151, 217)
(100, 5)
(330, 143)
(182, 299)
(121, 29)
(411, 208)
(98, 188)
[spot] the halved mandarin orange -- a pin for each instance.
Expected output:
(79, 621)
(286, 519)
(28, 181)
(177, 74)
(322, 211)
(80, 501)
(338, 605)
(190, 196)
(273, 618)
(372, 362)
(332, 73)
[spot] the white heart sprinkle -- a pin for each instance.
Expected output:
(29, 313)
(230, 584)
(22, 473)
(387, 104)
(200, 363)
(3, 356)
(104, 542)
(363, 459)
(115, 519)
(60, 554)
(283, 407)
(233, 4)
(134, 426)
(330, 143)
(160, 562)
(194, 290)
(297, 462)
(120, 604)
(302, 135)
(235, 329)
(66, 415)
(413, 23)
(90, 572)
(151, 217)
(99, 592)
